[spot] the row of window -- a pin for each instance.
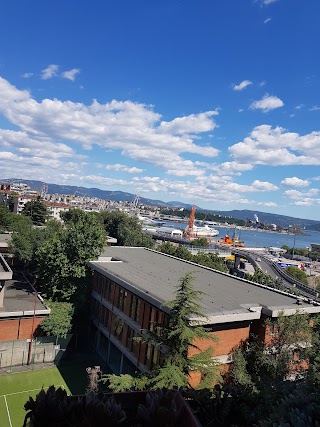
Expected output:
(147, 354)
(146, 315)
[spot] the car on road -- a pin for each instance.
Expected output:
(258, 259)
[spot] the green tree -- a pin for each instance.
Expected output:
(36, 210)
(4, 218)
(167, 248)
(126, 229)
(62, 259)
(298, 274)
(26, 240)
(177, 337)
(200, 241)
(59, 321)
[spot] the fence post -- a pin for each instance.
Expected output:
(11, 356)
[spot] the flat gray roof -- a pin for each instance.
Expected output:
(19, 300)
(154, 276)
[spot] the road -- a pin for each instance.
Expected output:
(268, 266)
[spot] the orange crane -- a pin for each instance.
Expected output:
(189, 231)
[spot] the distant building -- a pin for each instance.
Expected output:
(131, 285)
(315, 247)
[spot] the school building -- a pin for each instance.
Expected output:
(131, 285)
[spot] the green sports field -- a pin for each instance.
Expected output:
(15, 390)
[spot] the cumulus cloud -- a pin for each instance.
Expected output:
(295, 182)
(275, 147)
(50, 72)
(231, 168)
(315, 108)
(303, 198)
(27, 75)
(242, 85)
(71, 74)
(264, 186)
(267, 103)
(195, 123)
(134, 129)
(123, 168)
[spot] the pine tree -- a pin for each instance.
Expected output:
(183, 331)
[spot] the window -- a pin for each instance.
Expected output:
(130, 340)
(122, 299)
(137, 311)
(133, 306)
(118, 328)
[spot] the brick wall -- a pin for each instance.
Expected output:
(12, 329)
(227, 339)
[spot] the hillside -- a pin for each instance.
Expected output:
(264, 217)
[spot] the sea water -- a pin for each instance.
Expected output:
(261, 239)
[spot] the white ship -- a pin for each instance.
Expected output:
(203, 231)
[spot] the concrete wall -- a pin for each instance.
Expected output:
(15, 353)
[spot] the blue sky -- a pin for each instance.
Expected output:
(215, 103)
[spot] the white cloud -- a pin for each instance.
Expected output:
(263, 83)
(195, 123)
(264, 186)
(267, 204)
(27, 75)
(242, 85)
(275, 147)
(267, 20)
(130, 127)
(295, 182)
(100, 180)
(315, 108)
(267, 2)
(71, 74)
(304, 198)
(267, 103)
(119, 167)
(299, 107)
(232, 168)
(50, 72)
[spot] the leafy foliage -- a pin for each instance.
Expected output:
(36, 210)
(298, 274)
(62, 258)
(54, 408)
(162, 408)
(210, 260)
(200, 242)
(126, 229)
(58, 323)
(265, 279)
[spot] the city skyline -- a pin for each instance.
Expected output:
(208, 103)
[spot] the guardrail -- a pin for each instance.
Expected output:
(295, 282)
(299, 285)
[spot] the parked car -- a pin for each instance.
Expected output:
(258, 259)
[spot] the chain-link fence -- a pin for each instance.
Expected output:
(40, 350)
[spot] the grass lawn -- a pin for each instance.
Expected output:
(15, 390)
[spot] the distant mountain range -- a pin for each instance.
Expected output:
(118, 196)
